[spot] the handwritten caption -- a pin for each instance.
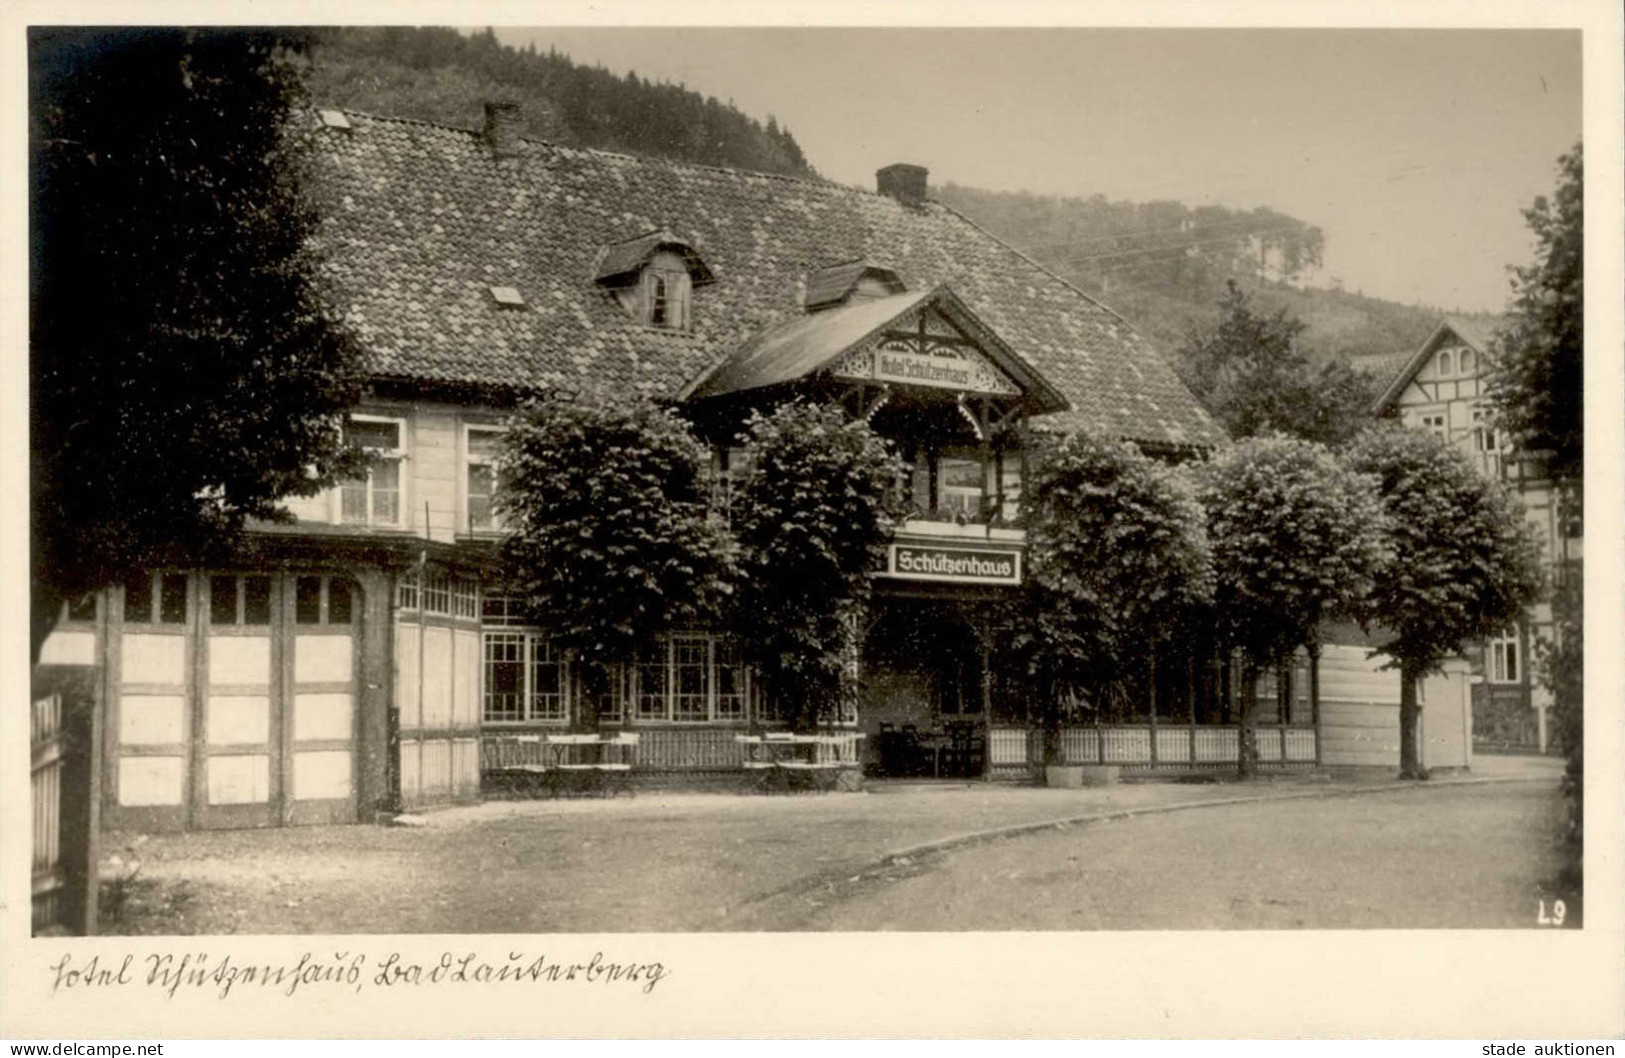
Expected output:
(222, 976)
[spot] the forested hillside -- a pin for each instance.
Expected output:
(443, 76)
(1163, 266)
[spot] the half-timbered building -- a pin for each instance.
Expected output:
(1440, 388)
(353, 660)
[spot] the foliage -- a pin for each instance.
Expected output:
(1465, 561)
(1297, 537)
(1117, 548)
(1466, 564)
(1117, 551)
(813, 512)
(1250, 375)
(185, 368)
(612, 539)
(1164, 266)
(1538, 359)
(441, 75)
(1562, 671)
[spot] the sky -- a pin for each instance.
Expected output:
(1414, 150)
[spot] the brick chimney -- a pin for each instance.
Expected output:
(501, 130)
(904, 182)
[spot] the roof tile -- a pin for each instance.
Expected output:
(429, 219)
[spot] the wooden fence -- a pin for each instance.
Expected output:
(45, 739)
(663, 749)
(1013, 750)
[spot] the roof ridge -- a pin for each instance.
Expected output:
(812, 181)
(1043, 268)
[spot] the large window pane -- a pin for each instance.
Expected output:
(481, 489)
(353, 501)
(172, 605)
(223, 600)
(546, 682)
(386, 492)
(504, 675)
(138, 598)
(692, 660)
(651, 670)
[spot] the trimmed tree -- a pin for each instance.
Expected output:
(1465, 562)
(813, 512)
(185, 369)
(1297, 537)
(612, 539)
(1117, 553)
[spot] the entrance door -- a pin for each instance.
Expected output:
(320, 698)
(237, 750)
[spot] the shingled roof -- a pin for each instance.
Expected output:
(422, 221)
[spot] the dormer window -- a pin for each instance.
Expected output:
(653, 278)
(844, 283)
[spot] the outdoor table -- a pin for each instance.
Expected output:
(593, 773)
(790, 756)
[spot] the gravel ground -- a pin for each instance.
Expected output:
(1455, 857)
(657, 862)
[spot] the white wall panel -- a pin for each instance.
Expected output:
(324, 716)
(465, 711)
(237, 719)
(151, 719)
(239, 659)
(69, 648)
(437, 675)
(154, 659)
(406, 676)
(323, 659)
(322, 775)
(244, 780)
(149, 781)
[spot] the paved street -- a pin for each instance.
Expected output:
(1463, 857)
(1437, 855)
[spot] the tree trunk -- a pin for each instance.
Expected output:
(1051, 718)
(1247, 736)
(1410, 712)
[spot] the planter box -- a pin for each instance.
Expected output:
(1076, 776)
(1063, 776)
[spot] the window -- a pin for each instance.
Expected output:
(1504, 658)
(1485, 437)
(321, 600)
(482, 444)
(665, 295)
(731, 681)
(650, 669)
(1446, 363)
(960, 479)
(375, 497)
(1435, 425)
(1465, 358)
(155, 597)
(240, 600)
(526, 679)
(691, 667)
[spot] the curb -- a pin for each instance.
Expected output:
(900, 857)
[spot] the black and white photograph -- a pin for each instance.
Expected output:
(909, 484)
